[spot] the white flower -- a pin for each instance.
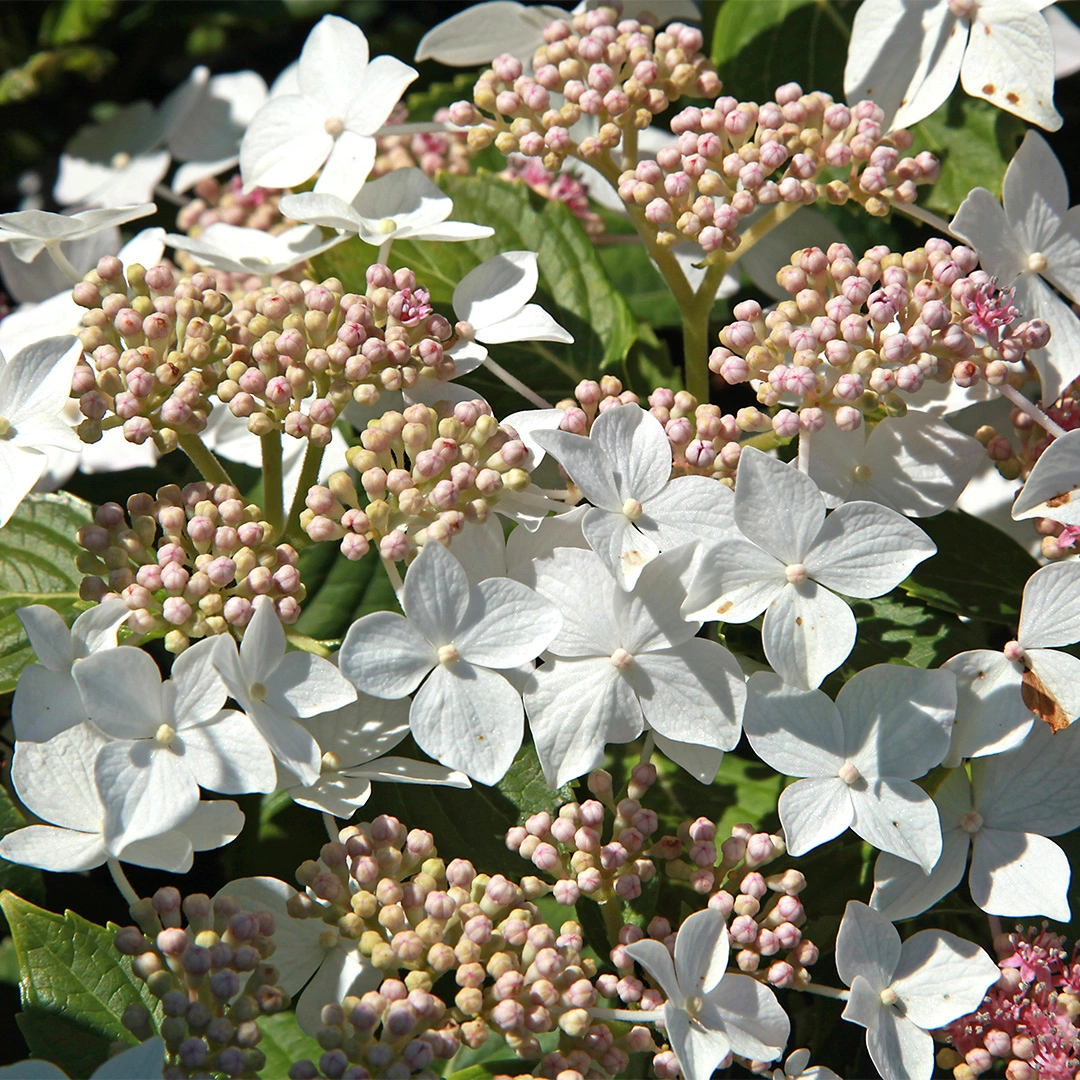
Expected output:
(55, 780)
(795, 1069)
(47, 701)
(34, 388)
(237, 249)
(906, 57)
(708, 1013)
(403, 205)
(354, 741)
(901, 993)
(790, 558)
(275, 688)
(623, 660)
(1053, 483)
(1066, 41)
(29, 231)
(135, 1063)
(1002, 816)
(858, 757)
(166, 739)
(624, 469)
(466, 715)
(912, 464)
(309, 954)
(1033, 236)
(342, 100)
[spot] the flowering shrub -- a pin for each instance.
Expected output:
(674, 489)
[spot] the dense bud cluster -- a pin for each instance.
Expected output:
(1028, 1019)
(858, 334)
(213, 979)
(623, 73)
(432, 151)
(216, 201)
(561, 187)
(422, 474)
(154, 343)
(190, 561)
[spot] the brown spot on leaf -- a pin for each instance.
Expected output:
(1012, 99)
(1060, 500)
(1042, 703)
(798, 620)
(725, 607)
(989, 88)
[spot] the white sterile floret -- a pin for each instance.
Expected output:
(276, 688)
(47, 701)
(492, 301)
(906, 57)
(913, 464)
(624, 469)
(166, 739)
(456, 639)
(623, 661)
(856, 758)
(135, 1063)
(403, 205)
(29, 231)
(354, 741)
(34, 389)
(900, 993)
(1034, 235)
(789, 558)
(1051, 488)
(240, 250)
(710, 1013)
(55, 781)
(310, 954)
(341, 100)
(795, 1068)
(1003, 816)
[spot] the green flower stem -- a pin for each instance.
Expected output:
(62, 261)
(309, 474)
(826, 991)
(611, 909)
(515, 383)
(628, 1016)
(273, 495)
(204, 460)
(395, 579)
(121, 882)
(331, 826)
(305, 643)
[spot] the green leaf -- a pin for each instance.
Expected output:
(75, 986)
(341, 591)
(37, 566)
(974, 141)
(24, 880)
(9, 962)
(759, 46)
(423, 104)
(573, 286)
(284, 1043)
(74, 20)
(964, 578)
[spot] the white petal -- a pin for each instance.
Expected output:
(96, 629)
(284, 145)
(587, 629)
(902, 890)
(55, 779)
(1058, 364)
(531, 323)
(361, 730)
(263, 646)
(867, 944)
(898, 816)
(633, 440)
(146, 1059)
(808, 632)
(1050, 614)
(981, 221)
(384, 655)
(1059, 673)
(384, 83)
(777, 507)
(409, 771)
(698, 1050)
(701, 952)
(941, 976)
(734, 583)
(701, 762)
(290, 742)
(212, 824)
(1019, 874)
(349, 164)
(49, 637)
(1010, 61)
(624, 549)
(63, 851)
(46, 703)
(332, 64)
(864, 1005)
(991, 716)
(654, 957)
(1035, 193)
(900, 1049)
(750, 1016)
(946, 36)
(306, 685)
(691, 508)
(229, 755)
(506, 624)
(20, 470)
(436, 594)
(343, 972)
(497, 289)
(199, 690)
(814, 811)
(649, 618)
(1051, 488)
(37, 381)
(122, 692)
(481, 32)
(797, 732)
(325, 210)
(469, 719)
(1066, 42)
(587, 464)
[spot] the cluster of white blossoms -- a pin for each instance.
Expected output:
(569, 576)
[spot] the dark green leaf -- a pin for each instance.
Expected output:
(964, 577)
(74, 20)
(24, 880)
(974, 141)
(75, 986)
(284, 1043)
(423, 104)
(340, 591)
(37, 566)
(9, 962)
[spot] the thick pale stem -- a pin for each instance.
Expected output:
(395, 579)
(62, 261)
(204, 460)
(804, 452)
(762, 227)
(305, 643)
(1031, 409)
(384, 251)
(826, 991)
(309, 474)
(927, 217)
(516, 384)
(629, 1016)
(421, 127)
(273, 496)
(629, 148)
(695, 329)
(646, 749)
(331, 825)
(121, 882)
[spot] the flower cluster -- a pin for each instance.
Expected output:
(214, 979)
(228, 202)
(558, 187)
(432, 151)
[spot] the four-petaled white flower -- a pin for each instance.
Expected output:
(330, 123)
(623, 660)
(906, 57)
(276, 688)
(795, 1068)
(55, 780)
(403, 205)
(1003, 816)
(624, 469)
(34, 389)
(237, 249)
(900, 993)
(166, 739)
(29, 231)
(709, 1013)
(1033, 234)
(459, 638)
(790, 558)
(47, 701)
(856, 757)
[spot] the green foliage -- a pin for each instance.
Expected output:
(340, 591)
(284, 1043)
(24, 880)
(74, 20)
(974, 141)
(37, 566)
(44, 70)
(424, 104)
(75, 986)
